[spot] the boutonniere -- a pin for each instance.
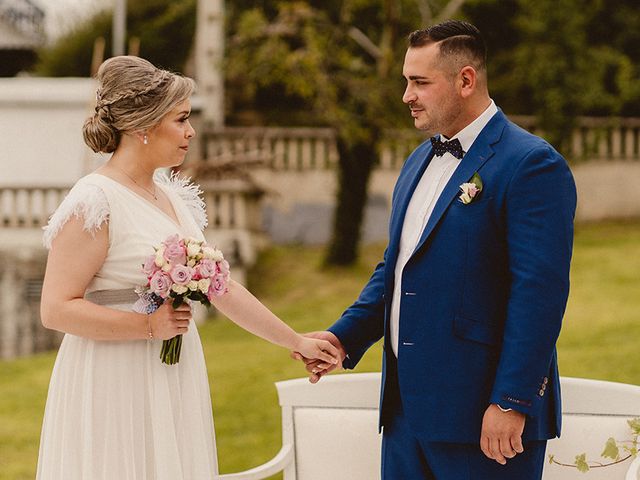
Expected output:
(470, 189)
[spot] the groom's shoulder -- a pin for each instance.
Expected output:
(518, 139)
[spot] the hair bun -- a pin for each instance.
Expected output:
(98, 132)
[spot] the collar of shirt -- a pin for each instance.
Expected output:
(468, 134)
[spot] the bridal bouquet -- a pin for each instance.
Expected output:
(181, 269)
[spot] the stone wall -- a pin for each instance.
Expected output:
(21, 273)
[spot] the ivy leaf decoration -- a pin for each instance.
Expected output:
(581, 463)
(635, 425)
(611, 450)
(552, 458)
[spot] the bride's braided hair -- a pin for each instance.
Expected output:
(133, 95)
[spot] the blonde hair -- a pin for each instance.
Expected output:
(133, 95)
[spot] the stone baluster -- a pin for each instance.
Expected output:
(292, 154)
(306, 157)
(320, 154)
(616, 143)
(279, 153)
(630, 142)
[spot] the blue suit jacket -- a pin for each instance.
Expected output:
(483, 293)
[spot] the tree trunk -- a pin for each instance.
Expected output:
(356, 164)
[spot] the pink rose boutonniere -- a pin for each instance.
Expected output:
(470, 189)
(181, 269)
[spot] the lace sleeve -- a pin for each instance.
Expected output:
(84, 201)
(190, 194)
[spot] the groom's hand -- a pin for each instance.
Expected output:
(317, 368)
(501, 436)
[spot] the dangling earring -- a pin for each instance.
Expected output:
(145, 140)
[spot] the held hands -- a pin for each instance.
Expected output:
(319, 350)
(501, 436)
(317, 368)
(166, 323)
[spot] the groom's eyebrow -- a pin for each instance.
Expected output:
(417, 77)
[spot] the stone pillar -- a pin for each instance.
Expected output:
(208, 60)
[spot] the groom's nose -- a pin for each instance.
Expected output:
(409, 96)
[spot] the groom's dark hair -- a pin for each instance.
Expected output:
(458, 40)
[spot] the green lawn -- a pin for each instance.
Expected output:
(599, 340)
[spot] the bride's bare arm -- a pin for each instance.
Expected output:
(75, 257)
(244, 309)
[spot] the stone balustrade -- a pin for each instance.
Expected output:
(31, 207)
(609, 139)
(301, 149)
(296, 149)
(28, 207)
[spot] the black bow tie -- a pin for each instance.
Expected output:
(451, 146)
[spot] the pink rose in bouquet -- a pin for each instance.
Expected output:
(181, 274)
(160, 283)
(175, 251)
(182, 269)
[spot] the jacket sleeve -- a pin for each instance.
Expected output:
(540, 209)
(362, 324)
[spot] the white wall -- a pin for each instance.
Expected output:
(41, 130)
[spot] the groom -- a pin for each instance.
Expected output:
(473, 285)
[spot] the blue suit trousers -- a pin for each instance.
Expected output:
(405, 457)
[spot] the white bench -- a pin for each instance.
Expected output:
(330, 430)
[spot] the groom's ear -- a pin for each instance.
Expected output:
(467, 81)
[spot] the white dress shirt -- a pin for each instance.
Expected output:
(434, 179)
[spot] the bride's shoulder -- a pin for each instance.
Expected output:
(87, 201)
(190, 194)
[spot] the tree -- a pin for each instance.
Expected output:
(165, 29)
(563, 58)
(343, 61)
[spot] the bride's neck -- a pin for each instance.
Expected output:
(133, 168)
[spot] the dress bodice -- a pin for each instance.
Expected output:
(135, 225)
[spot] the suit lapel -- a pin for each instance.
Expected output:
(478, 154)
(411, 178)
(412, 175)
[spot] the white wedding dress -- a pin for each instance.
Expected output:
(114, 410)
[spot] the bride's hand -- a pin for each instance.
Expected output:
(317, 368)
(167, 322)
(313, 348)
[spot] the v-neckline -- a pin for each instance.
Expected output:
(176, 221)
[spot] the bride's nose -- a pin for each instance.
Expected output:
(190, 133)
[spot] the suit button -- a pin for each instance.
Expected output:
(544, 386)
(545, 380)
(541, 392)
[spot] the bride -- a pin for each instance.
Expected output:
(114, 410)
